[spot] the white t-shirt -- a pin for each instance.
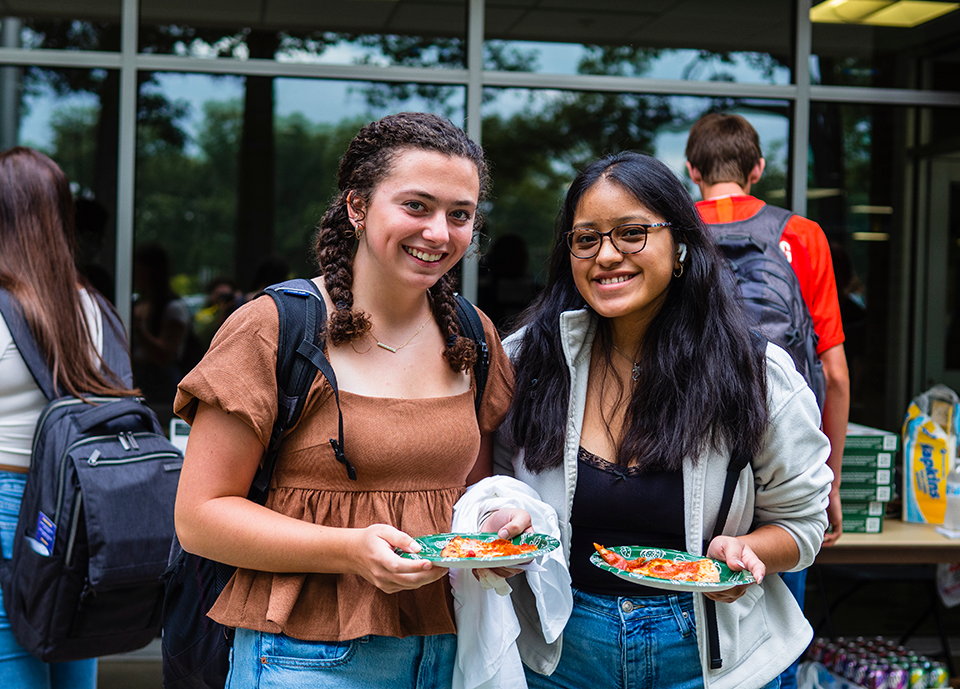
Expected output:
(21, 401)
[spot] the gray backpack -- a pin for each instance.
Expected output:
(770, 289)
(96, 520)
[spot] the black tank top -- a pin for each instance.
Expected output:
(615, 505)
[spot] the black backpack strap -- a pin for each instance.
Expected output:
(737, 463)
(116, 353)
(302, 315)
(471, 326)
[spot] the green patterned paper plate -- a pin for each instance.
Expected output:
(728, 578)
(430, 547)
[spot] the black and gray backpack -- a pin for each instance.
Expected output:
(96, 519)
(195, 649)
(770, 289)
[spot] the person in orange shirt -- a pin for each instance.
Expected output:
(724, 160)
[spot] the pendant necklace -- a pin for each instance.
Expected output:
(636, 364)
(394, 350)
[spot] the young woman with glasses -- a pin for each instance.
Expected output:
(637, 377)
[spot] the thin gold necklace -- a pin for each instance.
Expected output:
(635, 374)
(394, 350)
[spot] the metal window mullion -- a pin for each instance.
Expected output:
(470, 273)
(801, 109)
(75, 59)
(884, 96)
(127, 159)
(674, 87)
(275, 68)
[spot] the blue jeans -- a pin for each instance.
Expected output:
(17, 667)
(797, 583)
(613, 642)
(263, 660)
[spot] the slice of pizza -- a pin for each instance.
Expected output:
(462, 546)
(700, 570)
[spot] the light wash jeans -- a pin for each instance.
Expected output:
(797, 583)
(275, 661)
(17, 667)
(616, 642)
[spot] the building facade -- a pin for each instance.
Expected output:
(214, 129)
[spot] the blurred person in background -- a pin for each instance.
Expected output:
(161, 327)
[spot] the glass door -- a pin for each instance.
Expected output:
(941, 363)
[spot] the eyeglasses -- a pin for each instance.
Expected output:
(627, 239)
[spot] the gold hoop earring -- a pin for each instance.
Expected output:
(677, 273)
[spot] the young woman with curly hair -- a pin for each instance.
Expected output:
(321, 598)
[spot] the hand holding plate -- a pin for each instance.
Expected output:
(738, 556)
(374, 557)
(508, 522)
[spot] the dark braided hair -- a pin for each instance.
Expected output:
(367, 162)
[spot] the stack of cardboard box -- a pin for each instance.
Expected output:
(867, 477)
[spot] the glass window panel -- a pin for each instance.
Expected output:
(537, 140)
(747, 41)
(72, 115)
(379, 32)
(857, 191)
(232, 170)
(61, 25)
(856, 54)
(951, 343)
(234, 173)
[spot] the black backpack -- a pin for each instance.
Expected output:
(195, 649)
(94, 528)
(770, 289)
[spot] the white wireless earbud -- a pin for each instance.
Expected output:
(682, 252)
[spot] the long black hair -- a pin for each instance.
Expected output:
(702, 375)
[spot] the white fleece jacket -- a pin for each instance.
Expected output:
(765, 630)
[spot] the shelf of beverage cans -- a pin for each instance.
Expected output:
(876, 663)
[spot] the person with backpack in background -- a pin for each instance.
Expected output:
(321, 595)
(37, 269)
(640, 397)
(724, 160)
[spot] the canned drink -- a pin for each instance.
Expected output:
(938, 676)
(876, 677)
(829, 652)
(898, 677)
(815, 651)
(839, 660)
(850, 664)
(918, 676)
(860, 671)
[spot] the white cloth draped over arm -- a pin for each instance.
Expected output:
(487, 626)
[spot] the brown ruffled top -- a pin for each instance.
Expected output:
(412, 457)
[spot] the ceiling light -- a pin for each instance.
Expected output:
(846, 11)
(905, 13)
(870, 236)
(872, 210)
(909, 13)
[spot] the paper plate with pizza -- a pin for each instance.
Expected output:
(481, 550)
(672, 570)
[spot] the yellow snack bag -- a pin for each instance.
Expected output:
(929, 452)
